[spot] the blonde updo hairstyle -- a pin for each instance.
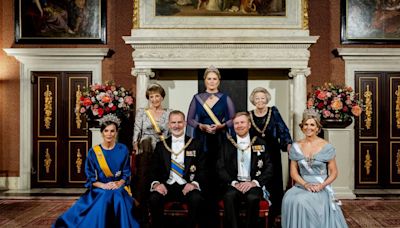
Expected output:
(211, 69)
(259, 90)
(155, 88)
(311, 114)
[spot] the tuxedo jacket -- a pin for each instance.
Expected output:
(260, 165)
(194, 161)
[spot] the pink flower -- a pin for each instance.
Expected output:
(321, 95)
(128, 100)
(356, 110)
(326, 113)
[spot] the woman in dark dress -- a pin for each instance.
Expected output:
(268, 124)
(210, 115)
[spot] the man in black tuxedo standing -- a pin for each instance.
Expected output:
(178, 172)
(245, 171)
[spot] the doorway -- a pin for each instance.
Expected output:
(60, 135)
(377, 131)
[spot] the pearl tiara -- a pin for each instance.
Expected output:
(310, 112)
(110, 118)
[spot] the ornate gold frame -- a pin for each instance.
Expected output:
(296, 18)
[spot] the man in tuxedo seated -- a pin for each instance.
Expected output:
(245, 171)
(178, 172)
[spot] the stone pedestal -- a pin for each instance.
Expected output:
(96, 136)
(343, 141)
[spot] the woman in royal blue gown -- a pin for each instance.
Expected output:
(107, 202)
(209, 117)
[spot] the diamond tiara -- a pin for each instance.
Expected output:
(312, 113)
(110, 118)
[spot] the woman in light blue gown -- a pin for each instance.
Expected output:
(107, 202)
(311, 203)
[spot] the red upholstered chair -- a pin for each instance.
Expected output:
(175, 209)
(262, 213)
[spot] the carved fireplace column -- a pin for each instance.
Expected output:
(299, 97)
(142, 81)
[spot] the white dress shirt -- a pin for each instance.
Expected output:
(176, 145)
(244, 158)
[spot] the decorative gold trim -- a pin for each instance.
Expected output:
(368, 108)
(398, 161)
(394, 161)
(368, 163)
(39, 142)
(305, 14)
(360, 160)
(237, 146)
(262, 132)
(397, 93)
(47, 160)
(135, 17)
(70, 162)
(179, 152)
(39, 115)
(78, 96)
(78, 161)
(72, 103)
(48, 109)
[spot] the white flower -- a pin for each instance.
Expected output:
(258, 173)
(93, 99)
(121, 100)
(115, 93)
(110, 105)
(120, 105)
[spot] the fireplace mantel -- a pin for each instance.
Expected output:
(224, 48)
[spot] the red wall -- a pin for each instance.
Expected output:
(117, 67)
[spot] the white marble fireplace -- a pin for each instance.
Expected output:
(261, 50)
(157, 49)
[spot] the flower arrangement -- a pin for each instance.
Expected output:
(102, 99)
(335, 102)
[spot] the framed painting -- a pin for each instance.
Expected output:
(370, 21)
(218, 14)
(60, 21)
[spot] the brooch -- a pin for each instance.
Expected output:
(192, 168)
(260, 164)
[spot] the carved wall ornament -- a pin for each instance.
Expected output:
(368, 163)
(78, 161)
(398, 161)
(48, 109)
(398, 106)
(368, 108)
(47, 160)
(78, 96)
(305, 14)
(135, 18)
